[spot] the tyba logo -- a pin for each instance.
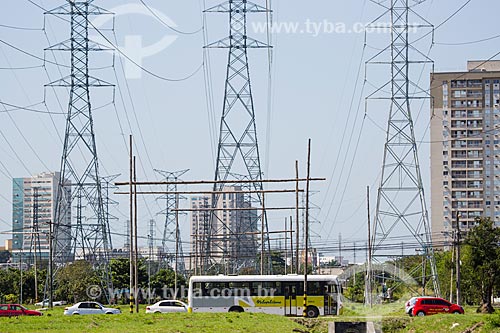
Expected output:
(133, 50)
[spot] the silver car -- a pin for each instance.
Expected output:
(167, 306)
(87, 308)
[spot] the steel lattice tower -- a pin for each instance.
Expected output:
(238, 151)
(401, 209)
(80, 177)
(171, 232)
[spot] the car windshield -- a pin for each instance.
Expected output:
(413, 301)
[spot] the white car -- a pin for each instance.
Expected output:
(86, 308)
(45, 302)
(167, 306)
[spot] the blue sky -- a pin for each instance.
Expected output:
(314, 77)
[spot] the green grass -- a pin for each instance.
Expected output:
(54, 321)
(388, 317)
(391, 318)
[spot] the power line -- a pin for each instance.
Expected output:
(26, 108)
(470, 42)
(20, 28)
(168, 25)
(117, 49)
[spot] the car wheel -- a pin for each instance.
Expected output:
(236, 309)
(109, 312)
(456, 312)
(312, 312)
(157, 312)
(420, 313)
(75, 314)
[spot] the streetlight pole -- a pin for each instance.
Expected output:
(459, 295)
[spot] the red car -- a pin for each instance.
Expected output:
(424, 306)
(14, 310)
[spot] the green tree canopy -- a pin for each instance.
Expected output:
(74, 281)
(484, 241)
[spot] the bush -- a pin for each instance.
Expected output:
(11, 298)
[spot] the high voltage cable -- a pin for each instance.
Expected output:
(117, 49)
(31, 54)
(20, 28)
(21, 68)
(469, 42)
(168, 25)
(207, 76)
(443, 22)
(26, 108)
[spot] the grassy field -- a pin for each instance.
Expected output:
(388, 318)
(169, 323)
(391, 318)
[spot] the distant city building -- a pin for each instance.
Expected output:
(232, 233)
(330, 260)
(465, 149)
(33, 210)
(7, 245)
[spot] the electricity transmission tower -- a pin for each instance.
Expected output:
(238, 152)
(80, 180)
(171, 231)
(401, 209)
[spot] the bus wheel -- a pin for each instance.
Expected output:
(236, 309)
(312, 312)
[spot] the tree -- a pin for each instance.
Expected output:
(4, 256)
(74, 281)
(484, 241)
(120, 272)
(163, 284)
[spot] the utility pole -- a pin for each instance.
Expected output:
(451, 268)
(340, 249)
(291, 245)
(136, 250)
(297, 225)
(150, 259)
(306, 227)
(459, 295)
(131, 227)
(368, 283)
(286, 246)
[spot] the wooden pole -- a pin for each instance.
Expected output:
(459, 295)
(297, 227)
(131, 228)
(306, 232)
(291, 245)
(176, 243)
(136, 252)
(286, 246)
(262, 236)
(369, 264)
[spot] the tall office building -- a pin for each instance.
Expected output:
(234, 245)
(33, 209)
(465, 148)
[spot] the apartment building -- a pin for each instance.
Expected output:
(465, 148)
(230, 236)
(33, 211)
